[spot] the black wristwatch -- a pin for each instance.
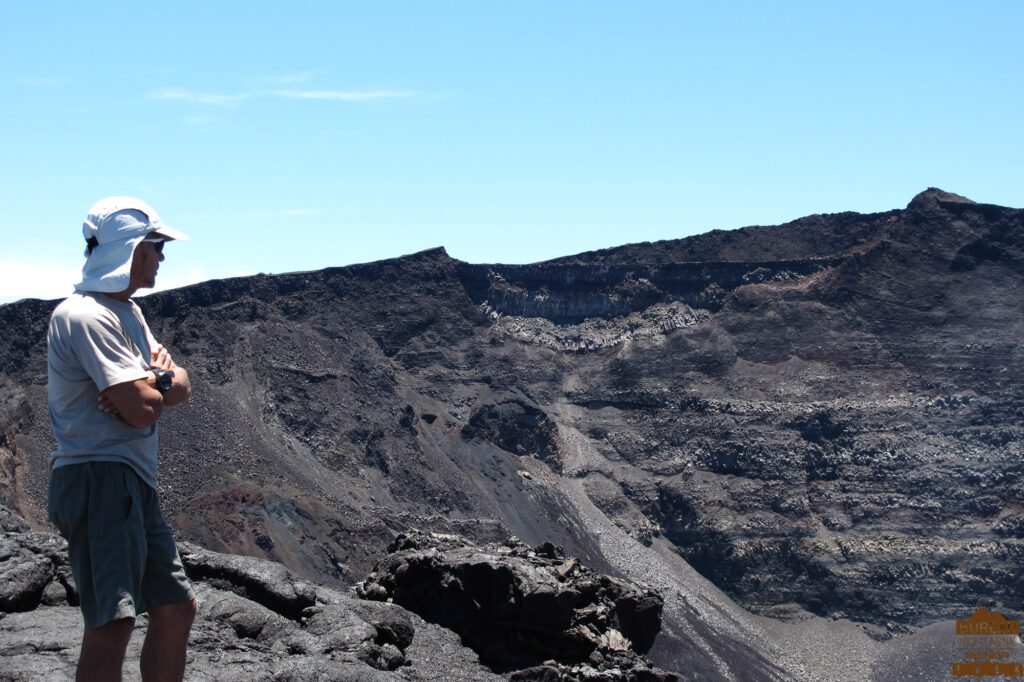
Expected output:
(164, 380)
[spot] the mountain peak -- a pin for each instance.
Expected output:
(934, 195)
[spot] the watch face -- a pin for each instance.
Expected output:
(164, 380)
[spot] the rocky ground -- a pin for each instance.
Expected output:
(822, 418)
(439, 607)
(257, 621)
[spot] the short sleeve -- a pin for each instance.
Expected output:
(104, 351)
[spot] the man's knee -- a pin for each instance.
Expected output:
(173, 616)
(112, 636)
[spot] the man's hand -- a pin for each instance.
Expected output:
(161, 359)
(104, 404)
(180, 389)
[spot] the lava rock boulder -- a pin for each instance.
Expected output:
(530, 611)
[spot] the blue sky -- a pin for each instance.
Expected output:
(302, 135)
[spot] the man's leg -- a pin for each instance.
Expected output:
(169, 597)
(90, 506)
(163, 652)
(103, 651)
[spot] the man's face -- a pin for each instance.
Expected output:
(145, 263)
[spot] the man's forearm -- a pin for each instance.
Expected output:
(137, 403)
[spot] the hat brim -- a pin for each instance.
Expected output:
(168, 232)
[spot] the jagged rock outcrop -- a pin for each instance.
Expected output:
(34, 568)
(522, 607)
(515, 426)
(256, 621)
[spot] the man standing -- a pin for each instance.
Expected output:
(108, 383)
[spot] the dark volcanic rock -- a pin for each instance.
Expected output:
(823, 416)
(516, 427)
(265, 582)
(256, 621)
(519, 607)
(33, 569)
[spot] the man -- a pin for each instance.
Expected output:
(109, 382)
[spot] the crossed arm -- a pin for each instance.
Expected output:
(138, 402)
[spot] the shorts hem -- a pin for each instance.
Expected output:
(123, 611)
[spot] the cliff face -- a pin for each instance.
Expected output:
(823, 414)
(571, 293)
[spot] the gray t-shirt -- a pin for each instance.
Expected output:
(95, 342)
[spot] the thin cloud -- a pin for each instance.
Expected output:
(344, 95)
(210, 98)
(49, 281)
(218, 99)
(36, 280)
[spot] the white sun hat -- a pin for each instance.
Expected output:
(114, 227)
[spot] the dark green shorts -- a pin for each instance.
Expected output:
(122, 553)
